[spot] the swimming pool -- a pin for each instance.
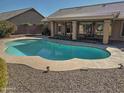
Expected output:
(53, 51)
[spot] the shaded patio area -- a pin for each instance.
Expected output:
(93, 31)
(23, 79)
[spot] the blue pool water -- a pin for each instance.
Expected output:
(53, 51)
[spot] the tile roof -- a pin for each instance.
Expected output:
(11, 14)
(106, 9)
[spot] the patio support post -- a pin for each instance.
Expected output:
(52, 28)
(74, 30)
(107, 28)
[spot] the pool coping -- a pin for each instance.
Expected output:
(41, 63)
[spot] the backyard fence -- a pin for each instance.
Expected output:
(34, 29)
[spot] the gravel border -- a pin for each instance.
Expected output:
(24, 79)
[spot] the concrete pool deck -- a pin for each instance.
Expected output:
(117, 57)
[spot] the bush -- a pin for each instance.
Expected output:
(7, 28)
(3, 74)
(45, 30)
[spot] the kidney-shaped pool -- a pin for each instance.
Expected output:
(52, 50)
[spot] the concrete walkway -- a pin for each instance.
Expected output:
(117, 57)
(24, 79)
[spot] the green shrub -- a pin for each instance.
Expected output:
(45, 30)
(3, 74)
(7, 28)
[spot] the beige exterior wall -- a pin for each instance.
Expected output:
(116, 31)
(30, 16)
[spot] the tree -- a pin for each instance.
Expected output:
(7, 28)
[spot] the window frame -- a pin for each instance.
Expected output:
(58, 28)
(68, 25)
(84, 23)
(99, 31)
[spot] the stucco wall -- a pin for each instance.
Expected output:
(27, 17)
(116, 31)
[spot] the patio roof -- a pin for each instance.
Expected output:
(99, 11)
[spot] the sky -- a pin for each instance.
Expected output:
(47, 7)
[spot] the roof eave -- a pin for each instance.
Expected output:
(81, 18)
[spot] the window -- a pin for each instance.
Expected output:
(59, 28)
(99, 28)
(85, 27)
(81, 29)
(68, 27)
(88, 27)
(122, 33)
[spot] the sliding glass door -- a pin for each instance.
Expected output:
(86, 28)
(68, 28)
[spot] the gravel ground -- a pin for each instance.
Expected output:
(23, 79)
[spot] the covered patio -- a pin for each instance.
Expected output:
(79, 30)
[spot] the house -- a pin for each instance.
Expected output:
(22, 16)
(99, 22)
